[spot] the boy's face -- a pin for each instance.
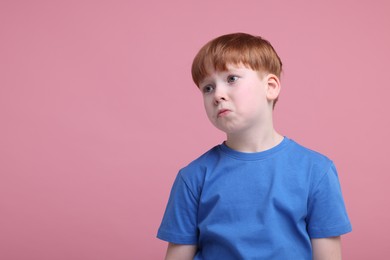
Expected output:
(239, 99)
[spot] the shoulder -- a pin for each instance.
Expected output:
(306, 155)
(309, 163)
(202, 162)
(319, 169)
(306, 152)
(195, 172)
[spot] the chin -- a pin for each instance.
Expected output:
(227, 129)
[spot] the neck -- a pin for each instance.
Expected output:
(254, 143)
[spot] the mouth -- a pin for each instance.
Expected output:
(223, 112)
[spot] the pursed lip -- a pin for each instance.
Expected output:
(222, 111)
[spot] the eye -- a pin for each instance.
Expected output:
(207, 89)
(232, 78)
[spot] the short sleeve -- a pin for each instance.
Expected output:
(179, 224)
(327, 215)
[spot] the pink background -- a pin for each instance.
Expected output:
(98, 113)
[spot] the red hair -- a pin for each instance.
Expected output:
(234, 49)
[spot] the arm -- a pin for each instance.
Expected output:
(180, 252)
(326, 248)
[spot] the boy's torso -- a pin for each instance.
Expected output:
(253, 205)
(253, 200)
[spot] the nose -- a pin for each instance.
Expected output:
(219, 95)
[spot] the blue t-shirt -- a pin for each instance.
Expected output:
(265, 205)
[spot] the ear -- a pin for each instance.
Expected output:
(273, 87)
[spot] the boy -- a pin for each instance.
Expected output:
(258, 195)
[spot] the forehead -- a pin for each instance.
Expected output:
(239, 69)
(211, 68)
(228, 67)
